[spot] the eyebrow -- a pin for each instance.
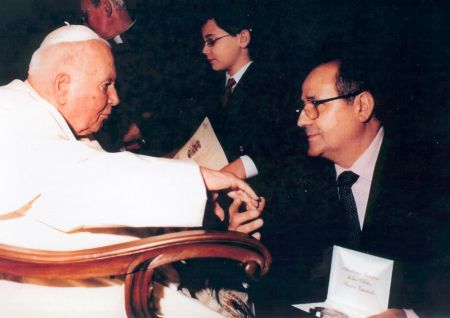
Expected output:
(208, 35)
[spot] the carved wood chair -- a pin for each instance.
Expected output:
(137, 260)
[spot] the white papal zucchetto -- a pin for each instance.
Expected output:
(70, 33)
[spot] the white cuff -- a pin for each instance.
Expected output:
(410, 313)
(249, 167)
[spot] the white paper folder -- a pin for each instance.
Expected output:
(359, 284)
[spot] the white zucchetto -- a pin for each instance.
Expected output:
(70, 33)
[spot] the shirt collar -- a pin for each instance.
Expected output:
(118, 38)
(364, 166)
(237, 77)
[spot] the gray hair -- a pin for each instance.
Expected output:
(119, 4)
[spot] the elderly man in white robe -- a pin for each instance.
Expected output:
(55, 189)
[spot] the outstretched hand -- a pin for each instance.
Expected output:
(217, 180)
(390, 313)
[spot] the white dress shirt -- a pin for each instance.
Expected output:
(364, 166)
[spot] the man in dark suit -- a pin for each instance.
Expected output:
(382, 210)
(247, 109)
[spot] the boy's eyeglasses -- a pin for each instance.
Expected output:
(210, 42)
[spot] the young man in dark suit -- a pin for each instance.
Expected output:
(247, 108)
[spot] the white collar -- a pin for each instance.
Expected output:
(364, 166)
(118, 38)
(238, 75)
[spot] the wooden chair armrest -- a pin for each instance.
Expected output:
(137, 260)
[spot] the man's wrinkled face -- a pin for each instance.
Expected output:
(92, 92)
(225, 53)
(331, 134)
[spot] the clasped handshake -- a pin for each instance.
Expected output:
(246, 207)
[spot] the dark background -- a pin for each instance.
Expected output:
(407, 42)
(409, 39)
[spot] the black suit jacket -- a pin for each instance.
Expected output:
(395, 221)
(396, 226)
(254, 121)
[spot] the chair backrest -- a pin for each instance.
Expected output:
(137, 260)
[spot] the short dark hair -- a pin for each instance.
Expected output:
(357, 73)
(233, 23)
(229, 16)
(365, 63)
(359, 68)
(350, 79)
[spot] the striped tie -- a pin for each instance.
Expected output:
(228, 91)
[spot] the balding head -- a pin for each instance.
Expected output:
(73, 69)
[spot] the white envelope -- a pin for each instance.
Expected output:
(359, 284)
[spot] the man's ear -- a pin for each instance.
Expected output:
(244, 38)
(61, 87)
(365, 106)
(106, 7)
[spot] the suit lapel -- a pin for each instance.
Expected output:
(373, 203)
(241, 92)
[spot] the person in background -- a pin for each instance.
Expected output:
(138, 125)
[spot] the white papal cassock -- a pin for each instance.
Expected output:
(62, 186)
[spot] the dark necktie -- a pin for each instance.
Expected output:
(228, 91)
(344, 182)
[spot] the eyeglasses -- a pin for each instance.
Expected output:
(210, 42)
(310, 106)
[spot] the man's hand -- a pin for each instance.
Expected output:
(245, 222)
(391, 313)
(248, 221)
(133, 133)
(216, 180)
(236, 167)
